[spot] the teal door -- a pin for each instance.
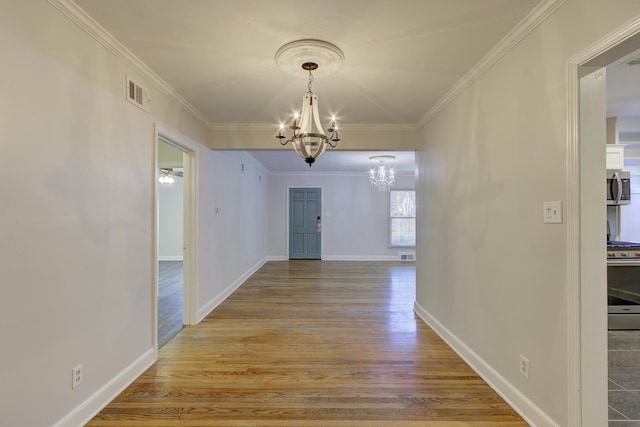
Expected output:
(304, 223)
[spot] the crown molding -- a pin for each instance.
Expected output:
(528, 24)
(355, 127)
(380, 127)
(78, 16)
(102, 36)
(364, 173)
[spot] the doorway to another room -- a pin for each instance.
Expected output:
(604, 97)
(171, 289)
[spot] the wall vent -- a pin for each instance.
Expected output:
(138, 95)
(407, 256)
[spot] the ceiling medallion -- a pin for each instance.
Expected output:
(309, 139)
(379, 176)
(329, 57)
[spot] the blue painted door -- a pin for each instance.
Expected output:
(304, 223)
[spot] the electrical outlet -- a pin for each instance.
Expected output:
(524, 367)
(76, 376)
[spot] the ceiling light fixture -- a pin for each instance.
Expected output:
(379, 176)
(309, 139)
(165, 177)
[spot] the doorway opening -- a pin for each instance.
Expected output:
(589, 110)
(173, 308)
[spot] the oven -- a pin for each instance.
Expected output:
(623, 285)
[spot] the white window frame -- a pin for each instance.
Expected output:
(391, 218)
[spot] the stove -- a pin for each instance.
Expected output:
(623, 285)
(623, 250)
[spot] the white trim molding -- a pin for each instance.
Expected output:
(531, 413)
(88, 409)
(528, 24)
(572, 210)
(170, 258)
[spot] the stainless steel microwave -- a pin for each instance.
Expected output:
(618, 187)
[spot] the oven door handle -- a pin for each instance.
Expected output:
(634, 262)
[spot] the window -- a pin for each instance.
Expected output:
(402, 205)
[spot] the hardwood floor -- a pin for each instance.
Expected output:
(312, 343)
(170, 284)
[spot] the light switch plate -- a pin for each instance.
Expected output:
(552, 212)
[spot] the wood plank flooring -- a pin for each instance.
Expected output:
(312, 343)
(170, 296)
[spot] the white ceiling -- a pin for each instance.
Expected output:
(401, 57)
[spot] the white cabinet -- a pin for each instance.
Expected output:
(615, 157)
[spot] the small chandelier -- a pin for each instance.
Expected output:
(379, 176)
(166, 175)
(165, 178)
(309, 140)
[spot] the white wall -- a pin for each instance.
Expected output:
(233, 241)
(76, 236)
(490, 274)
(171, 220)
(355, 217)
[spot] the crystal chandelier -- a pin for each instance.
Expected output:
(381, 177)
(308, 138)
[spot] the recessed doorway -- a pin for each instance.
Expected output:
(171, 241)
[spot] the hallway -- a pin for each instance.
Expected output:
(312, 343)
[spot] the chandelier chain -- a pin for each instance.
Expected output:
(310, 81)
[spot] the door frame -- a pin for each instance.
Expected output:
(586, 357)
(289, 187)
(190, 157)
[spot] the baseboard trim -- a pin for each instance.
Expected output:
(345, 258)
(277, 258)
(531, 413)
(217, 300)
(170, 258)
(88, 409)
(360, 258)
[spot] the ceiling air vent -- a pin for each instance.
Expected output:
(138, 94)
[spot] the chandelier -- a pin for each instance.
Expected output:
(308, 138)
(381, 177)
(167, 174)
(165, 178)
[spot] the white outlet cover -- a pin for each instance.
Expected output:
(552, 212)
